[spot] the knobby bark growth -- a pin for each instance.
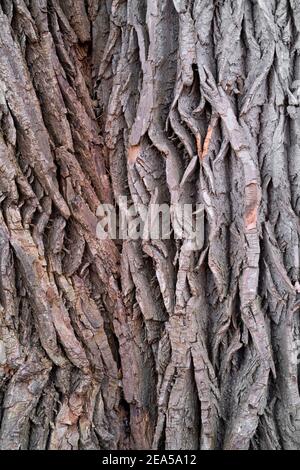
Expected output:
(145, 344)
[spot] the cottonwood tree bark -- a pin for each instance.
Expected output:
(144, 344)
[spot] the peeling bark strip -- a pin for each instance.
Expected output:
(145, 344)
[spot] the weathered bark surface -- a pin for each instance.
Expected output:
(139, 345)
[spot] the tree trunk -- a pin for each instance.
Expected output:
(140, 344)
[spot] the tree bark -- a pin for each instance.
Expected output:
(135, 344)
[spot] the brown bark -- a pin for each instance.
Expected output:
(111, 344)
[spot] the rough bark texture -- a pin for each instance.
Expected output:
(134, 344)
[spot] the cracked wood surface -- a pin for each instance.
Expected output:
(145, 344)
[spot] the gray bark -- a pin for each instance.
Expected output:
(145, 344)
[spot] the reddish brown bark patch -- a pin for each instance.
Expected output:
(207, 142)
(133, 153)
(199, 145)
